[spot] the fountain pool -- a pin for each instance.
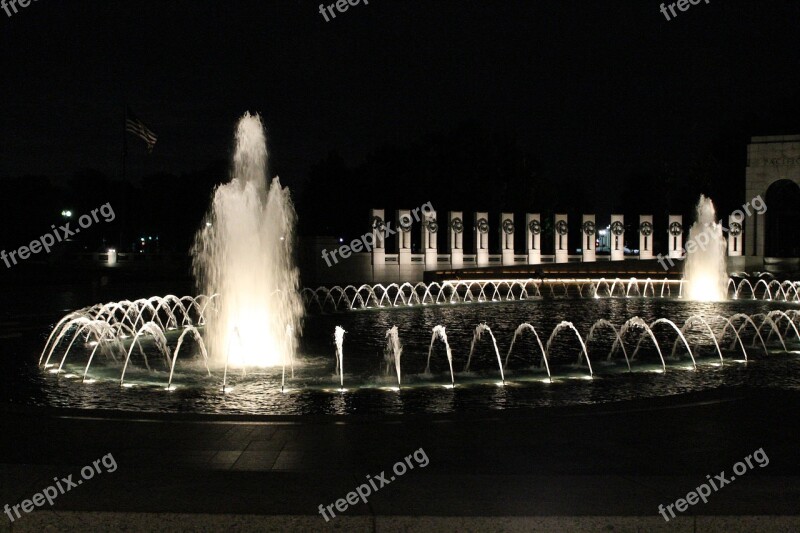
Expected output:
(637, 347)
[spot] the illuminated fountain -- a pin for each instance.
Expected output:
(705, 268)
(244, 254)
(107, 329)
(242, 330)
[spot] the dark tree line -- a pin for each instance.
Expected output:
(469, 168)
(164, 206)
(472, 168)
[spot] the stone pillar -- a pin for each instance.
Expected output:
(588, 238)
(755, 230)
(533, 232)
(645, 236)
(617, 237)
(675, 229)
(735, 236)
(404, 223)
(481, 238)
(456, 241)
(507, 238)
(378, 224)
(430, 229)
(561, 238)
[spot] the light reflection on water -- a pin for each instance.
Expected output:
(369, 389)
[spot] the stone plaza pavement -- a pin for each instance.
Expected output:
(586, 468)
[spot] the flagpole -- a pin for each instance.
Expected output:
(124, 178)
(124, 140)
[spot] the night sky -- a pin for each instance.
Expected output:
(595, 90)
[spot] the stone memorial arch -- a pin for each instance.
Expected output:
(773, 174)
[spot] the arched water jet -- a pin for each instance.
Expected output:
(79, 320)
(632, 283)
(691, 320)
(781, 314)
(91, 356)
(649, 282)
(57, 329)
(779, 290)
(680, 334)
(145, 304)
(613, 286)
(97, 327)
(199, 339)
(774, 328)
(748, 320)
(767, 292)
(736, 333)
(439, 332)
(164, 303)
(618, 340)
(570, 325)
(791, 314)
(520, 329)
(482, 327)
(750, 285)
(161, 343)
(637, 322)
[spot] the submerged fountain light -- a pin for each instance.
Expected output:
(243, 253)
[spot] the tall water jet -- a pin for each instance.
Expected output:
(338, 339)
(705, 269)
(393, 351)
(244, 253)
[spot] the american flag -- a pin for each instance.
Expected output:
(135, 126)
